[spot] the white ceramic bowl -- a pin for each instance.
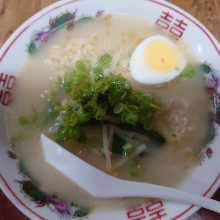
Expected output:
(205, 178)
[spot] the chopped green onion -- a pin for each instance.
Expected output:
(128, 149)
(189, 72)
(134, 168)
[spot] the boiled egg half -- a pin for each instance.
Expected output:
(156, 60)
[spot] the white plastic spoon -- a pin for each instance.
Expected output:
(102, 185)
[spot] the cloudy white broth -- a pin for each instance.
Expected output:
(161, 146)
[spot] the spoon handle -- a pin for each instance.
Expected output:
(136, 189)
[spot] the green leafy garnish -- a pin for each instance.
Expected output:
(16, 138)
(189, 72)
(105, 60)
(29, 121)
(77, 81)
(117, 144)
(53, 108)
(128, 149)
(134, 168)
(87, 94)
(103, 63)
(24, 121)
(71, 119)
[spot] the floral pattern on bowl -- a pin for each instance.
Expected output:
(67, 19)
(41, 199)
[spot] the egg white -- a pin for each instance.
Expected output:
(145, 74)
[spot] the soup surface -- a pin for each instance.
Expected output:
(182, 118)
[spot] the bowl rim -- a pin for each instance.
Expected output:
(4, 186)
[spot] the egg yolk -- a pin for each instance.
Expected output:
(161, 56)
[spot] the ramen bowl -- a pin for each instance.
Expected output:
(204, 179)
